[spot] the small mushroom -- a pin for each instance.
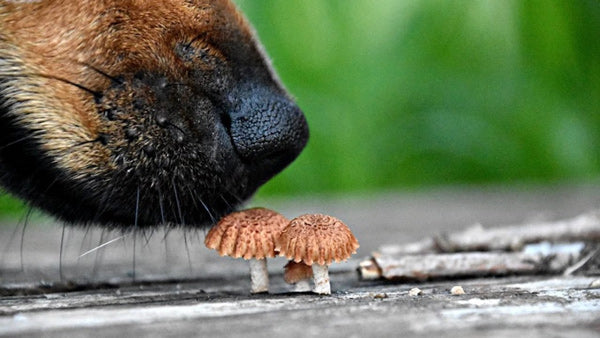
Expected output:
(317, 240)
(298, 274)
(249, 234)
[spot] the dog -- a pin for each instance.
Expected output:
(132, 113)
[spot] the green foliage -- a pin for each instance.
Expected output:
(417, 93)
(10, 207)
(412, 93)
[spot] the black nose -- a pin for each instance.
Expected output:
(268, 130)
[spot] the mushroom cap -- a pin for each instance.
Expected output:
(316, 238)
(295, 272)
(248, 233)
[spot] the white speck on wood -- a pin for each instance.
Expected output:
(415, 292)
(457, 290)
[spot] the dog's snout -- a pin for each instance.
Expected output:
(268, 130)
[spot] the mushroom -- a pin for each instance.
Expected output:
(298, 274)
(317, 240)
(249, 234)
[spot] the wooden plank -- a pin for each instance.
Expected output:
(206, 295)
(565, 304)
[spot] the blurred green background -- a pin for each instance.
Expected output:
(415, 93)
(405, 94)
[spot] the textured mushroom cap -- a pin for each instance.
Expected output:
(248, 233)
(316, 238)
(295, 272)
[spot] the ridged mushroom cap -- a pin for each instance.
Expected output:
(316, 238)
(295, 272)
(248, 233)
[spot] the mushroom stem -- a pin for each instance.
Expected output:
(302, 286)
(321, 277)
(259, 276)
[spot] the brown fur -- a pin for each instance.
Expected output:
(48, 55)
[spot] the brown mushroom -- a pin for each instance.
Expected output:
(317, 240)
(249, 234)
(298, 274)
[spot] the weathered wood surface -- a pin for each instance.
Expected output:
(209, 295)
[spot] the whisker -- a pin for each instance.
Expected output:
(101, 245)
(187, 250)
(147, 237)
(75, 84)
(60, 255)
(133, 262)
(192, 194)
(83, 240)
(23, 236)
(167, 261)
(212, 218)
(239, 200)
(103, 73)
(160, 204)
(14, 234)
(137, 207)
(99, 254)
(24, 138)
(226, 201)
(100, 138)
(177, 201)
(168, 230)
(135, 227)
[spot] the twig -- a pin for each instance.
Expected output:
(464, 264)
(477, 251)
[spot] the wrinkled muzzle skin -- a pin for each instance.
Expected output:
(132, 113)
